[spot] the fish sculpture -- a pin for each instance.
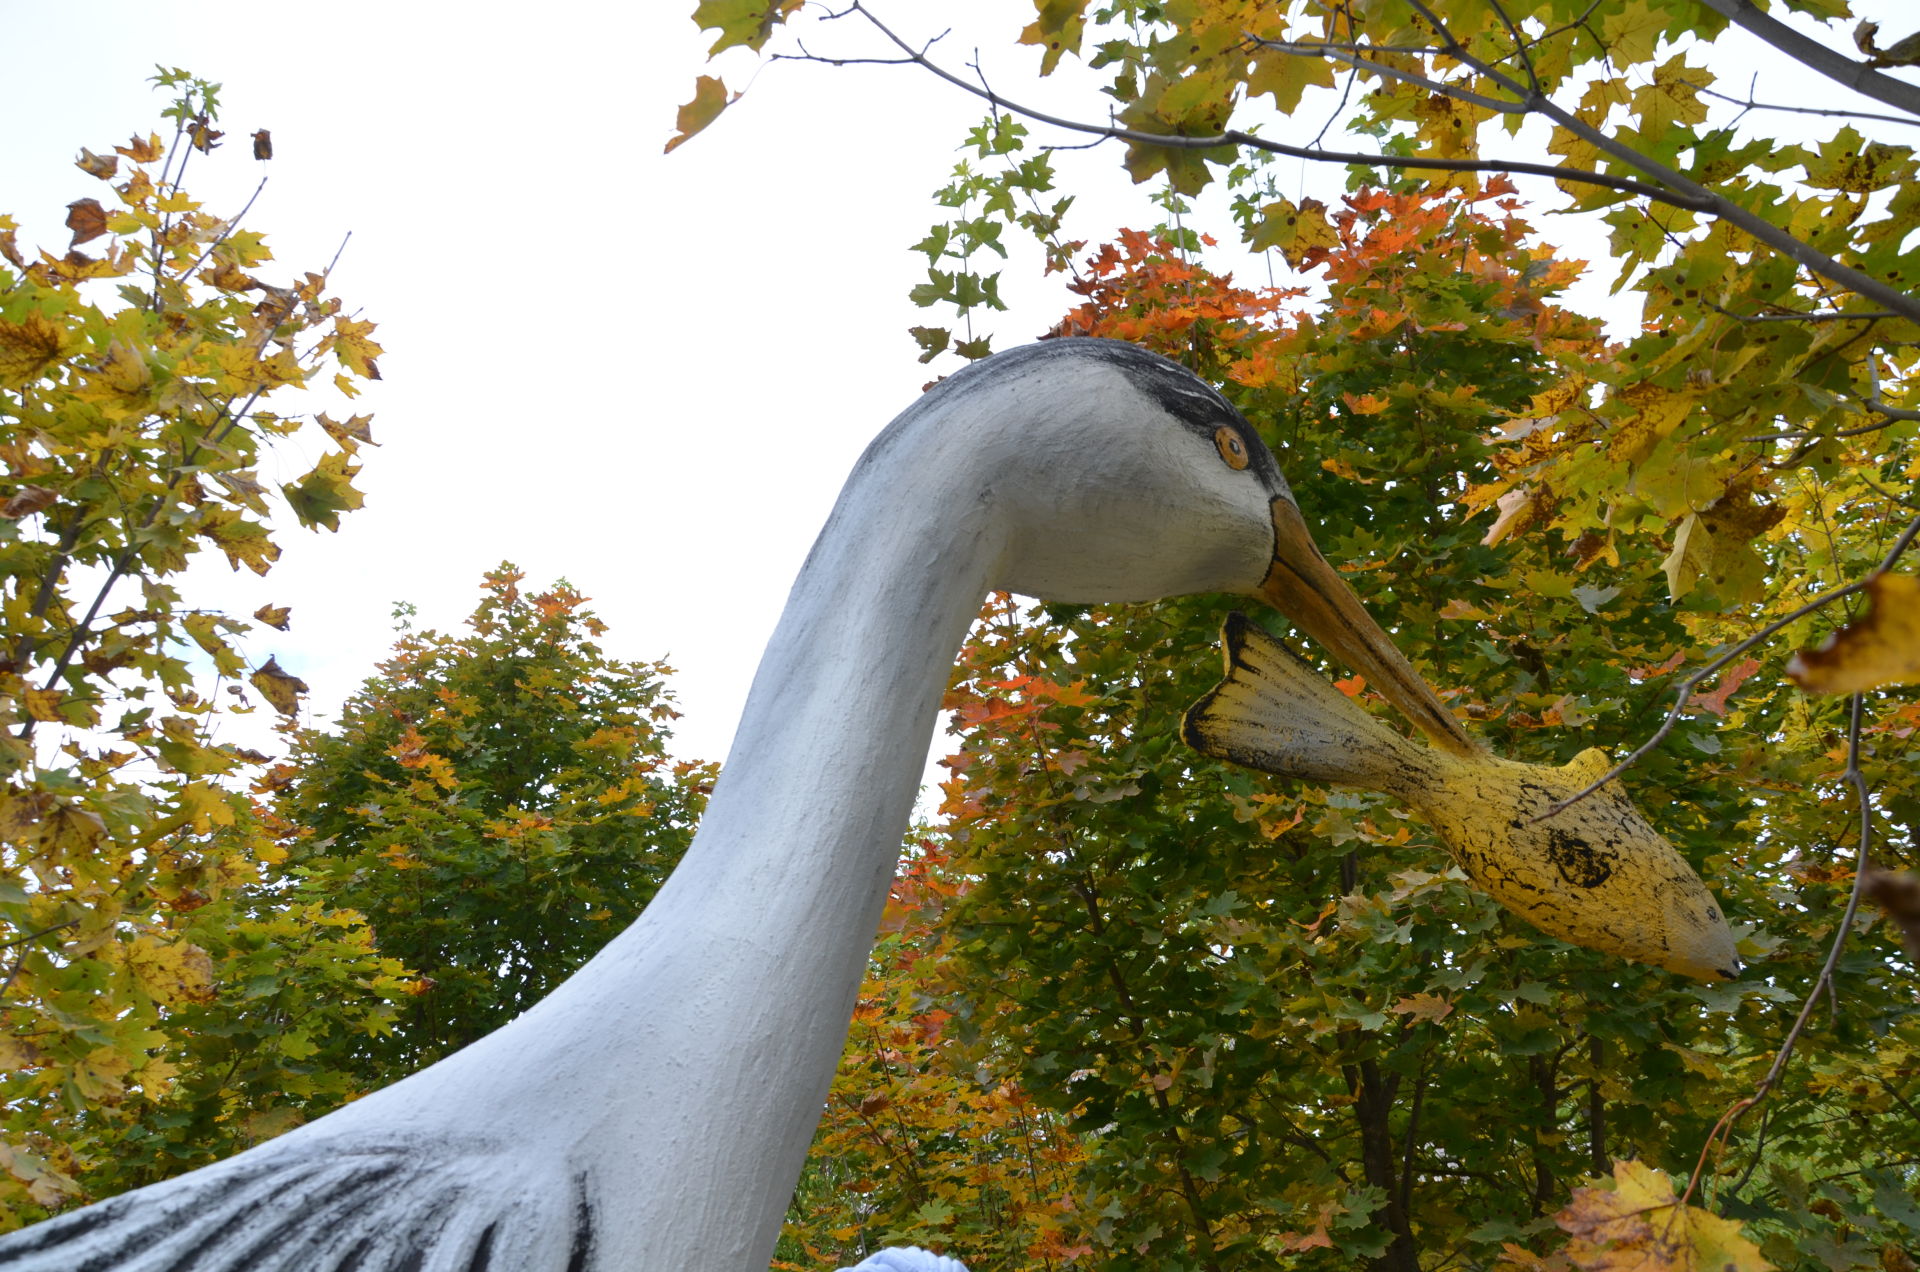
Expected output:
(1595, 874)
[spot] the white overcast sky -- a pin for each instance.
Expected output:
(645, 373)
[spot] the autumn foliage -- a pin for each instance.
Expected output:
(141, 390)
(1270, 1024)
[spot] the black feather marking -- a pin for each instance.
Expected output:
(331, 1201)
(581, 1258)
(483, 1253)
(356, 1253)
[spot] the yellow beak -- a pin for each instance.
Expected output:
(1301, 585)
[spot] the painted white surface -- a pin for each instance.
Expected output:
(663, 1098)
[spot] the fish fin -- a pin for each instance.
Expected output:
(320, 1206)
(1276, 713)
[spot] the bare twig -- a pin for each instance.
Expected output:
(1235, 138)
(1666, 185)
(1676, 183)
(1839, 67)
(1749, 104)
(1791, 315)
(1823, 983)
(227, 232)
(1687, 686)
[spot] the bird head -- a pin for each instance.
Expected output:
(1136, 481)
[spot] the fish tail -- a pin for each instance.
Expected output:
(1275, 712)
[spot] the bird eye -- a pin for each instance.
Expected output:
(1231, 448)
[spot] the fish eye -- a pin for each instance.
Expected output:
(1226, 439)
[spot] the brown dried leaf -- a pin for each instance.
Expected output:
(87, 219)
(274, 615)
(709, 99)
(1882, 647)
(28, 500)
(262, 144)
(1897, 893)
(204, 135)
(228, 277)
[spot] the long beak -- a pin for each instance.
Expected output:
(1301, 585)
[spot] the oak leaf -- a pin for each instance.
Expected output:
(1882, 647)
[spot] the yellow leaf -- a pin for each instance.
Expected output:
(205, 806)
(143, 151)
(155, 1077)
(29, 347)
(101, 166)
(1296, 231)
(44, 704)
(709, 99)
(1632, 32)
(170, 972)
(1056, 28)
(351, 345)
(1882, 647)
(101, 1077)
(1638, 1225)
(277, 616)
(279, 688)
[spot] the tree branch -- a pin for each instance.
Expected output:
(1675, 183)
(1668, 186)
(1900, 545)
(1838, 67)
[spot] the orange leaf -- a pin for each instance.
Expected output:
(142, 151)
(1716, 702)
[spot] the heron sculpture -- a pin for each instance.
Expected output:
(653, 1113)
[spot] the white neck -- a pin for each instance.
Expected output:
(688, 1062)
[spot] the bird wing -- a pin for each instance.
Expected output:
(316, 1206)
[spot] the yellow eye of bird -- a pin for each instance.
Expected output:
(1231, 448)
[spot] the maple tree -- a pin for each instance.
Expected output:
(1290, 1026)
(140, 391)
(1283, 1029)
(498, 803)
(929, 1139)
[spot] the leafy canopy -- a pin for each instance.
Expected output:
(142, 384)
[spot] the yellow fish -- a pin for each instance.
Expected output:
(1596, 874)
